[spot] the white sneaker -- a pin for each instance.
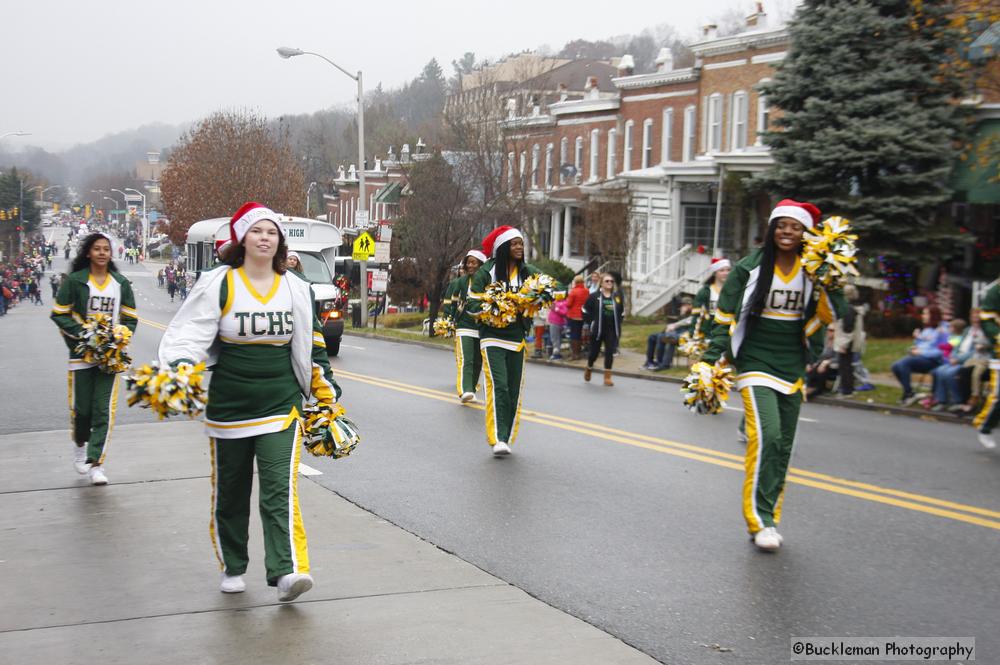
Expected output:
(97, 476)
(80, 458)
(293, 585)
(468, 397)
(988, 441)
(768, 539)
(500, 449)
(232, 584)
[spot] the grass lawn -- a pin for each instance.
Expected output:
(881, 353)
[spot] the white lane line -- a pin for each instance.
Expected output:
(307, 470)
(351, 346)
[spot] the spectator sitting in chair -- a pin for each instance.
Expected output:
(925, 354)
(660, 346)
(823, 373)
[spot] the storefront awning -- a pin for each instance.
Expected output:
(390, 193)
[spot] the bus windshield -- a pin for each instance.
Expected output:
(314, 268)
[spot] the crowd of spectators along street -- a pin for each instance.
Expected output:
(22, 280)
(175, 279)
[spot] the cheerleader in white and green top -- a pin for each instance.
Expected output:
(253, 322)
(770, 324)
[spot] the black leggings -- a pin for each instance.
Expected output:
(610, 339)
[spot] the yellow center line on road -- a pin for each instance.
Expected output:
(149, 322)
(843, 486)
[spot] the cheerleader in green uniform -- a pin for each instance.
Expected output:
(254, 323)
(986, 420)
(769, 324)
(93, 286)
(707, 299)
(467, 357)
(503, 349)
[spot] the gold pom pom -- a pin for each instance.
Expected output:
(706, 388)
(829, 253)
(693, 345)
(328, 432)
(535, 293)
(170, 391)
(500, 306)
(103, 343)
(444, 326)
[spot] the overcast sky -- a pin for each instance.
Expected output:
(74, 71)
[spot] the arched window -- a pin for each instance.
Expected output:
(715, 123)
(690, 133)
(738, 121)
(647, 142)
(548, 166)
(563, 158)
(535, 157)
(578, 158)
(595, 137)
(627, 150)
(667, 137)
(612, 165)
(763, 115)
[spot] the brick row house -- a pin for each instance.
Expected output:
(658, 147)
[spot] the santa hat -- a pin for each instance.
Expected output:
(293, 255)
(497, 237)
(806, 213)
(247, 216)
(477, 255)
(718, 264)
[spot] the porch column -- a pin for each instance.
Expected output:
(554, 233)
(567, 230)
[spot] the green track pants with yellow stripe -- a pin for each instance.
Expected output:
(771, 420)
(277, 456)
(987, 418)
(504, 371)
(469, 362)
(93, 400)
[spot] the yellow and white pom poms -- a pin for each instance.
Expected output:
(444, 326)
(828, 255)
(706, 388)
(328, 432)
(693, 345)
(535, 293)
(103, 343)
(500, 306)
(178, 391)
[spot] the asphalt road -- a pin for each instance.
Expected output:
(620, 507)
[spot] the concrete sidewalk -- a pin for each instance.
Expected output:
(126, 574)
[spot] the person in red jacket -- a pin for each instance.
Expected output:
(575, 301)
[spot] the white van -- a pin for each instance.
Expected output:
(316, 243)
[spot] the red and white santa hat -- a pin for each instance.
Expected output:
(497, 237)
(248, 215)
(806, 213)
(718, 263)
(477, 255)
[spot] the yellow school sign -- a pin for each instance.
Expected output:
(364, 247)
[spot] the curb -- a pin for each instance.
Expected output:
(887, 409)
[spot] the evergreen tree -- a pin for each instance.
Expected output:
(868, 126)
(11, 197)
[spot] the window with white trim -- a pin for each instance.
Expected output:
(763, 115)
(715, 123)
(548, 166)
(535, 158)
(578, 157)
(595, 153)
(666, 138)
(647, 142)
(690, 133)
(522, 181)
(563, 157)
(738, 121)
(612, 166)
(510, 172)
(627, 151)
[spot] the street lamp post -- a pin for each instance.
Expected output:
(361, 213)
(124, 206)
(145, 222)
(308, 191)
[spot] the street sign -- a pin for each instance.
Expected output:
(385, 231)
(382, 252)
(361, 218)
(364, 247)
(380, 280)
